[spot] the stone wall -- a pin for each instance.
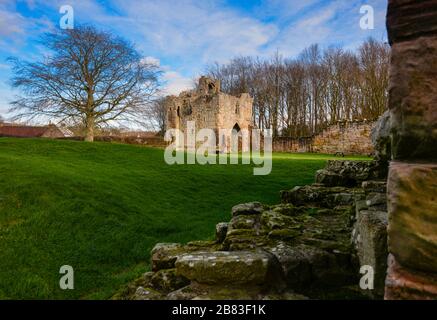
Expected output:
(289, 144)
(412, 181)
(344, 137)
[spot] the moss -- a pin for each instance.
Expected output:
(241, 239)
(200, 244)
(273, 220)
(244, 222)
(284, 234)
(168, 280)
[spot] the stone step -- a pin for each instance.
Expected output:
(220, 267)
(321, 196)
(164, 255)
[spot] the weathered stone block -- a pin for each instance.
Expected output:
(322, 196)
(147, 294)
(374, 186)
(306, 266)
(247, 209)
(380, 136)
(220, 231)
(244, 222)
(168, 280)
(412, 207)
(237, 267)
(371, 244)
(410, 19)
(348, 173)
(376, 198)
(274, 220)
(405, 284)
(330, 179)
(413, 99)
(164, 255)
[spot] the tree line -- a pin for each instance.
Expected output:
(302, 96)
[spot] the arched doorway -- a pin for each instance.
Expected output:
(237, 139)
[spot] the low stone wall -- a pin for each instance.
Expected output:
(288, 144)
(344, 137)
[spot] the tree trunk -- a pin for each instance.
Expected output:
(89, 127)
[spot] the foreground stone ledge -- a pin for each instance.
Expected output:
(405, 284)
(236, 267)
(164, 255)
(412, 207)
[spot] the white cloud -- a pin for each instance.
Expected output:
(202, 30)
(151, 60)
(334, 23)
(283, 8)
(185, 35)
(11, 23)
(175, 83)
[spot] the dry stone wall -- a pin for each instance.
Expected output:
(345, 137)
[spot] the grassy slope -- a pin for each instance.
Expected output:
(101, 207)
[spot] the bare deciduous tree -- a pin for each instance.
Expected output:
(91, 76)
(299, 97)
(159, 114)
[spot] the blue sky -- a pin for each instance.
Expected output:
(183, 36)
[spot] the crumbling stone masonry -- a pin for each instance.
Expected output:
(345, 137)
(412, 181)
(310, 246)
(210, 108)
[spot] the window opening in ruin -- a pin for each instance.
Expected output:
(211, 87)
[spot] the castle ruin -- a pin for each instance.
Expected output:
(210, 108)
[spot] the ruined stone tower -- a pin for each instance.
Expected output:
(210, 108)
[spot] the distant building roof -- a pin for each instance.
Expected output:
(23, 131)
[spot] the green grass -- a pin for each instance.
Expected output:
(101, 208)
